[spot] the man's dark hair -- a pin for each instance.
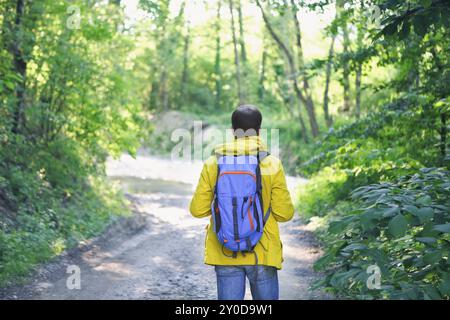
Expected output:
(246, 117)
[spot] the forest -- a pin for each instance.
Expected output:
(358, 89)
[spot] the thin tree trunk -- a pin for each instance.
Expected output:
(153, 96)
(300, 61)
(241, 34)
(359, 66)
(242, 47)
(289, 99)
(292, 70)
(217, 69)
(358, 90)
(262, 76)
(326, 99)
(20, 66)
(163, 94)
(346, 69)
(298, 35)
(443, 134)
(185, 73)
(236, 56)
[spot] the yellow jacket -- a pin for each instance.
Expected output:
(274, 194)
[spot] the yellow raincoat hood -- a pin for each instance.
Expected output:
(240, 146)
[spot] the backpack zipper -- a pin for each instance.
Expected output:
(242, 207)
(252, 227)
(239, 172)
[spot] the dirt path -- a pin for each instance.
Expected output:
(161, 255)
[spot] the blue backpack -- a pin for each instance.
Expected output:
(237, 205)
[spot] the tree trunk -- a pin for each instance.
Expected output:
(241, 35)
(153, 96)
(163, 93)
(346, 69)
(185, 73)
(292, 70)
(443, 134)
(360, 62)
(217, 68)
(262, 72)
(358, 90)
(300, 61)
(236, 56)
(20, 66)
(326, 112)
(298, 35)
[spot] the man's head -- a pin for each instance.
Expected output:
(246, 120)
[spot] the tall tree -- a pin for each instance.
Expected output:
(293, 71)
(326, 98)
(262, 70)
(359, 61)
(185, 73)
(241, 34)
(345, 55)
(301, 62)
(240, 89)
(329, 68)
(20, 65)
(217, 68)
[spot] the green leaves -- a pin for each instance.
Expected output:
(426, 240)
(423, 15)
(338, 226)
(355, 247)
(391, 28)
(402, 227)
(424, 214)
(420, 25)
(397, 226)
(391, 212)
(426, 3)
(424, 200)
(444, 228)
(432, 257)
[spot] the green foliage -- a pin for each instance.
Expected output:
(322, 192)
(382, 208)
(402, 131)
(378, 148)
(403, 228)
(49, 203)
(68, 100)
(419, 17)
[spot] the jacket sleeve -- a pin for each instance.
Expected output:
(281, 203)
(200, 206)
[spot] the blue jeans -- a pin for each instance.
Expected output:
(231, 282)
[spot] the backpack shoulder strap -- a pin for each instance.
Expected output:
(261, 155)
(218, 156)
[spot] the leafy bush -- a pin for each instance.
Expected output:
(403, 227)
(357, 163)
(404, 131)
(49, 202)
(40, 231)
(322, 192)
(390, 143)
